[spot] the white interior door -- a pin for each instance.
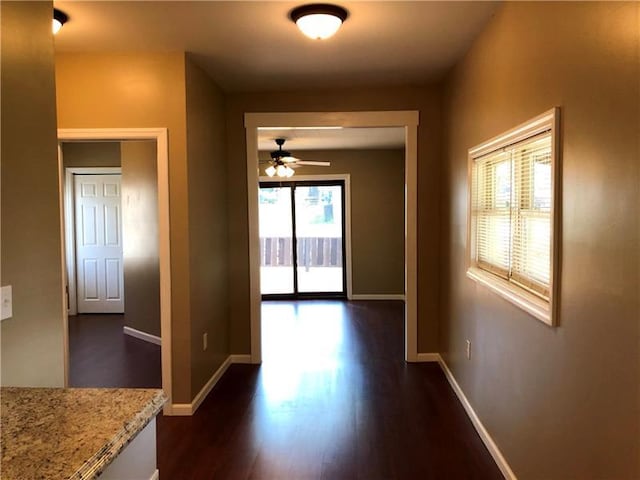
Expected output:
(98, 221)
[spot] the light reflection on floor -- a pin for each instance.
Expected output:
(305, 376)
(300, 341)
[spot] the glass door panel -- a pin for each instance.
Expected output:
(276, 241)
(319, 227)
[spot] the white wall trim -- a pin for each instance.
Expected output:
(428, 357)
(155, 476)
(187, 409)
(70, 223)
(473, 416)
(377, 296)
(162, 161)
(139, 334)
(407, 119)
(346, 178)
(190, 408)
(182, 409)
(240, 359)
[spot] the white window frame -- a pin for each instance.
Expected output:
(544, 310)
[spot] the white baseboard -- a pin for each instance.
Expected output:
(181, 409)
(187, 409)
(376, 296)
(427, 357)
(147, 337)
(156, 475)
(240, 358)
(482, 431)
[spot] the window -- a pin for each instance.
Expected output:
(513, 186)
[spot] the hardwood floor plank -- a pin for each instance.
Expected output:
(333, 399)
(101, 355)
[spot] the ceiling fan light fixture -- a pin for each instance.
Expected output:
(270, 170)
(318, 20)
(281, 170)
(59, 19)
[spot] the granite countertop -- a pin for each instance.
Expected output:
(69, 433)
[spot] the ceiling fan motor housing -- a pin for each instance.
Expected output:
(278, 154)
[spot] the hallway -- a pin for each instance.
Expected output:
(333, 399)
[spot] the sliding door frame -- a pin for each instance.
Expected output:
(312, 181)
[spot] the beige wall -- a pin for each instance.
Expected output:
(427, 101)
(140, 236)
(91, 154)
(560, 402)
(377, 213)
(207, 225)
(131, 90)
(32, 341)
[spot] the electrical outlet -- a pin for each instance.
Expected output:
(205, 341)
(7, 302)
(468, 349)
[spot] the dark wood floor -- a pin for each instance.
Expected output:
(100, 355)
(333, 399)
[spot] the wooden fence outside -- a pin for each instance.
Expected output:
(312, 252)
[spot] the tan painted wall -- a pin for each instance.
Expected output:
(103, 90)
(140, 236)
(427, 101)
(377, 213)
(91, 154)
(32, 341)
(207, 225)
(559, 402)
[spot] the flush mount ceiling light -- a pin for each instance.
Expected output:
(59, 19)
(318, 20)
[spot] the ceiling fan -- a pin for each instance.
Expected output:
(282, 162)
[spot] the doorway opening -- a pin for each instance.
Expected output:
(116, 256)
(407, 121)
(302, 239)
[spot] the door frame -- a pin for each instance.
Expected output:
(345, 178)
(159, 135)
(70, 224)
(407, 119)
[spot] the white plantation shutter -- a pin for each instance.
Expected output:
(511, 194)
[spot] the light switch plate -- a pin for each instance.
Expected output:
(6, 302)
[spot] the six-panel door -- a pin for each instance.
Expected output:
(98, 218)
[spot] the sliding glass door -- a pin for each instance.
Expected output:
(276, 241)
(302, 239)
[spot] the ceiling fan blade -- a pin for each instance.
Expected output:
(313, 163)
(289, 159)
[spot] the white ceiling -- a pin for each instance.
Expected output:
(253, 46)
(331, 139)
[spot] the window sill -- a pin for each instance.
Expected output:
(528, 302)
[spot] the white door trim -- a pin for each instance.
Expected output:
(346, 178)
(161, 138)
(69, 225)
(407, 119)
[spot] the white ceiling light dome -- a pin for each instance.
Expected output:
(59, 19)
(319, 20)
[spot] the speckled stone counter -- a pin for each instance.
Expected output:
(69, 433)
